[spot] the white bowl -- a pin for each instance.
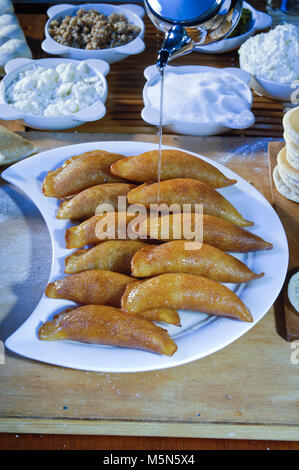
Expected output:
(134, 14)
(269, 88)
(260, 21)
(91, 113)
(152, 116)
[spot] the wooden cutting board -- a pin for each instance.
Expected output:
(248, 390)
(288, 211)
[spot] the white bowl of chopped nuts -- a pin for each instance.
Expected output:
(94, 31)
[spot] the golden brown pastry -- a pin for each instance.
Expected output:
(84, 204)
(13, 147)
(101, 324)
(90, 233)
(216, 232)
(103, 288)
(81, 172)
(174, 164)
(177, 257)
(184, 291)
(112, 255)
(164, 315)
(91, 287)
(187, 191)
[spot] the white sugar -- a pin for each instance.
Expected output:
(204, 97)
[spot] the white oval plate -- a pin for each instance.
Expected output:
(199, 335)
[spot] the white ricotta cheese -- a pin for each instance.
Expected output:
(273, 55)
(58, 91)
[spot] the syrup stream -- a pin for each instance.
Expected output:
(160, 132)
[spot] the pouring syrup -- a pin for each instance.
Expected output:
(162, 73)
(186, 25)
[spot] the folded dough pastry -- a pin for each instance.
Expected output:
(100, 228)
(91, 287)
(183, 191)
(84, 204)
(6, 6)
(12, 39)
(111, 255)
(11, 31)
(81, 172)
(186, 292)
(174, 164)
(101, 324)
(12, 49)
(99, 287)
(7, 19)
(179, 256)
(13, 147)
(216, 232)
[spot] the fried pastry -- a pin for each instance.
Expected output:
(164, 315)
(187, 191)
(103, 288)
(91, 287)
(184, 291)
(174, 164)
(81, 172)
(88, 233)
(111, 255)
(84, 204)
(13, 147)
(216, 232)
(175, 257)
(101, 324)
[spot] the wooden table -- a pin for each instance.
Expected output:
(126, 81)
(244, 423)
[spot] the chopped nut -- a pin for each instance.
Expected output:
(89, 29)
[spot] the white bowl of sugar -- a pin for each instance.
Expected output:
(198, 100)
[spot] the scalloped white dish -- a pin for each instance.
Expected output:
(91, 113)
(200, 335)
(133, 12)
(219, 123)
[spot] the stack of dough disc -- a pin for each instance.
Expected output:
(286, 172)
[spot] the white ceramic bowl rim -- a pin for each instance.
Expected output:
(98, 7)
(272, 82)
(167, 121)
(30, 63)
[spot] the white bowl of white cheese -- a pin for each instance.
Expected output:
(198, 100)
(54, 94)
(272, 59)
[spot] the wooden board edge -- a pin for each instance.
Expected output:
(152, 429)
